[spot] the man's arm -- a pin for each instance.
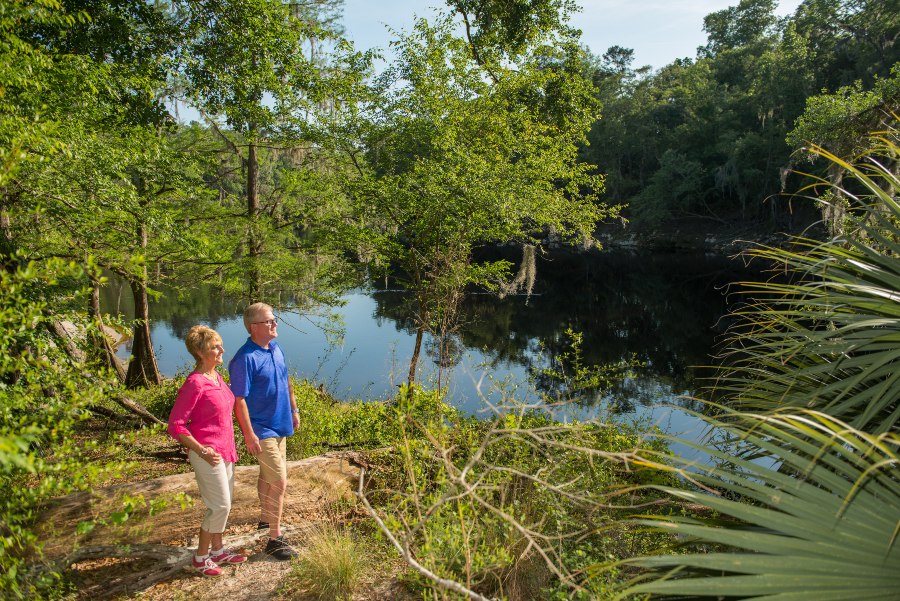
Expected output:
(295, 414)
(243, 418)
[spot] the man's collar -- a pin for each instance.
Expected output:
(259, 346)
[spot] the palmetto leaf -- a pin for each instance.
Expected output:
(808, 481)
(817, 519)
(831, 339)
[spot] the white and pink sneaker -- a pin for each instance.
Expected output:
(228, 556)
(207, 567)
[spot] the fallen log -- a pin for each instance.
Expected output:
(162, 543)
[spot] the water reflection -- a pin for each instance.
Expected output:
(661, 310)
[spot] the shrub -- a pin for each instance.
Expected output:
(44, 395)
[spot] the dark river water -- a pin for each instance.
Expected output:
(662, 312)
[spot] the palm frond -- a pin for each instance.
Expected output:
(806, 484)
(816, 517)
(830, 339)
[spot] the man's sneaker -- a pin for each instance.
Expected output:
(262, 525)
(229, 557)
(207, 567)
(279, 549)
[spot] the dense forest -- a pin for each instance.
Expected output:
(722, 137)
(309, 173)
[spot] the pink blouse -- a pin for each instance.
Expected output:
(203, 410)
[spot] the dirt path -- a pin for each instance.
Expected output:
(155, 562)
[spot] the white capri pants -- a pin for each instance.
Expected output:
(216, 484)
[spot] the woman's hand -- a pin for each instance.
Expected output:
(210, 455)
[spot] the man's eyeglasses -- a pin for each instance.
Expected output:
(268, 322)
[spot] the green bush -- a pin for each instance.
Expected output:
(529, 516)
(417, 444)
(326, 424)
(159, 400)
(44, 393)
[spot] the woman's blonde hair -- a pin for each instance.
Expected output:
(200, 339)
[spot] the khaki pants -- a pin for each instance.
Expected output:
(216, 483)
(272, 459)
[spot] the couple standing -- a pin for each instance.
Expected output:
(263, 400)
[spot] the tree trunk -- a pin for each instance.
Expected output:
(414, 361)
(833, 212)
(142, 369)
(254, 243)
(65, 339)
(7, 247)
(138, 410)
(103, 349)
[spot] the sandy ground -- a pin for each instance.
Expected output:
(147, 556)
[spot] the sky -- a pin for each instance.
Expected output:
(659, 31)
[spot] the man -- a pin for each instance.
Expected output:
(267, 413)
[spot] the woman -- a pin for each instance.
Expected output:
(201, 421)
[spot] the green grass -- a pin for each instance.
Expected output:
(331, 567)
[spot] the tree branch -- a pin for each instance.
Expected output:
(444, 583)
(474, 48)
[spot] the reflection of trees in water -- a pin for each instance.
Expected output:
(180, 309)
(445, 352)
(659, 309)
(394, 306)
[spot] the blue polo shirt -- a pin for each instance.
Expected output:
(260, 375)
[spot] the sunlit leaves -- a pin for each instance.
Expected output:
(251, 63)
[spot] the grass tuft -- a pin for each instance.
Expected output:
(330, 568)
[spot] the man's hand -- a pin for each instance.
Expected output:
(295, 418)
(252, 444)
(243, 417)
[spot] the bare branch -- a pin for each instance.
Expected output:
(444, 583)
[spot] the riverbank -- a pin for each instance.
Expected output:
(135, 535)
(701, 235)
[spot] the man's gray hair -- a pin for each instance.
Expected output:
(253, 312)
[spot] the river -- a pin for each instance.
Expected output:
(662, 311)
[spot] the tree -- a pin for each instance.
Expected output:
(244, 62)
(134, 39)
(117, 197)
(25, 70)
(456, 161)
(130, 183)
(841, 121)
(496, 29)
(102, 84)
(738, 26)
